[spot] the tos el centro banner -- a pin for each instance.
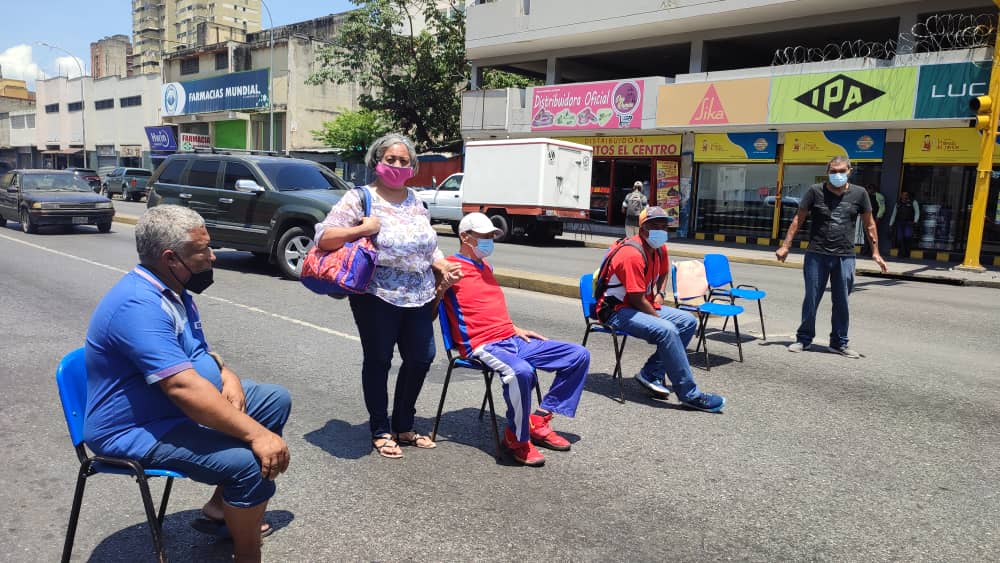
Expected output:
(595, 105)
(884, 94)
(234, 91)
(634, 146)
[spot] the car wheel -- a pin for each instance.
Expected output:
(292, 248)
(454, 227)
(132, 196)
(104, 227)
(501, 222)
(105, 192)
(26, 224)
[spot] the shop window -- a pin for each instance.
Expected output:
(943, 194)
(105, 104)
(736, 199)
(799, 177)
(600, 190)
(130, 101)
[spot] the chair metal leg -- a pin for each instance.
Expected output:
(739, 344)
(760, 309)
(704, 342)
(154, 525)
(74, 513)
(538, 389)
(617, 373)
(488, 376)
(493, 419)
(586, 335)
(444, 392)
(163, 502)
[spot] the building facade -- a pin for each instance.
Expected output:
(749, 103)
(226, 95)
(103, 128)
(111, 56)
(12, 125)
(161, 27)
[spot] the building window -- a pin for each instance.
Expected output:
(17, 121)
(52, 108)
(29, 121)
(74, 106)
(189, 66)
(105, 104)
(130, 101)
(221, 61)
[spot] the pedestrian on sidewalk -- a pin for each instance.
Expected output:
(398, 308)
(632, 205)
(905, 215)
(877, 201)
(834, 207)
(633, 303)
(481, 327)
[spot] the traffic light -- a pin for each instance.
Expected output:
(983, 106)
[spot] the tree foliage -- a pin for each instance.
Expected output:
(352, 132)
(496, 78)
(414, 79)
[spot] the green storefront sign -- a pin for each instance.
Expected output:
(944, 91)
(849, 96)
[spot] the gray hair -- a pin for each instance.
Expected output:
(164, 227)
(383, 143)
(839, 158)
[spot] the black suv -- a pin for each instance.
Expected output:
(263, 204)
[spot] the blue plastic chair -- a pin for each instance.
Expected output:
(589, 306)
(71, 378)
(691, 294)
(720, 282)
(455, 360)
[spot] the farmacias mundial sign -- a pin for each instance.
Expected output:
(234, 91)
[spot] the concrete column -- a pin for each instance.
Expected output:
(475, 77)
(697, 62)
(907, 19)
(552, 71)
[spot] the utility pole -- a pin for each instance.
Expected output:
(988, 113)
(83, 102)
(270, 79)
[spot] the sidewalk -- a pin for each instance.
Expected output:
(603, 236)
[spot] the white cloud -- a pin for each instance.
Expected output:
(69, 66)
(17, 63)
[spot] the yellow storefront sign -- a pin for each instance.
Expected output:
(943, 146)
(735, 147)
(631, 146)
(818, 147)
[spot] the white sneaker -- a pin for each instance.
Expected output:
(798, 347)
(655, 388)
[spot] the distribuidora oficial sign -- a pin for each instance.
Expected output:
(235, 91)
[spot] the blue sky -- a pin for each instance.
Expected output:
(74, 24)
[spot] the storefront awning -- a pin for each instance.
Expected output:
(64, 151)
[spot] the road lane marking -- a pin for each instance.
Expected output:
(250, 308)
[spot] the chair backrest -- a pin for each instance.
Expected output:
(717, 270)
(587, 301)
(449, 344)
(690, 284)
(71, 378)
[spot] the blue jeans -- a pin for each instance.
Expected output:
(516, 359)
(670, 332)
(817, 270)
(382, 327)
(209, 456)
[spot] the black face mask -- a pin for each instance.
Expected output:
(199, 281)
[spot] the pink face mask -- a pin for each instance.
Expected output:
(392, 176)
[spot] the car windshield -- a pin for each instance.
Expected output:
(289, 176)
(53, 183)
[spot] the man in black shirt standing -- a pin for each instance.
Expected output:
(833, 207)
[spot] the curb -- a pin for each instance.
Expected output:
(126, 219)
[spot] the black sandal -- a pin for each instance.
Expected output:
(414, 441)
(388, 442)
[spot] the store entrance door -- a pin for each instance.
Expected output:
(623, 176)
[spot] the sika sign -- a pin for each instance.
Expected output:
(724, 102)
(595, 105)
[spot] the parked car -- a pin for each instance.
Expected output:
(445, 201)
(262, 204)
(103, 172)
(51, 197)
(130, 183)
(88, 175)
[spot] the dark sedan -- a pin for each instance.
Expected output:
(88, 175)
(45, 197)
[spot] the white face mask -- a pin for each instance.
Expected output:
(657, 238)
(838, 179)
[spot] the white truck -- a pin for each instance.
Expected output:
(527, 186)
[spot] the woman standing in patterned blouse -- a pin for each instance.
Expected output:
(398, 307)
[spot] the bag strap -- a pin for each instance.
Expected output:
(366, 200)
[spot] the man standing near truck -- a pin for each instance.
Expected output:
(632, 205)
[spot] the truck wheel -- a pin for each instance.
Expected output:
(292, 248)
(501, 222)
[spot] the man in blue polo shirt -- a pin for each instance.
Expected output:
(156, 393)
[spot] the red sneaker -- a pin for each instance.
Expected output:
(523, 452)
(543, 435)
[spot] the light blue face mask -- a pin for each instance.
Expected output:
(657, 238)
(484, 247)
(838, 179)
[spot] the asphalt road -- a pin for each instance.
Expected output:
(817, 457)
